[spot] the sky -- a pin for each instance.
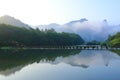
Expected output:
(38, 12)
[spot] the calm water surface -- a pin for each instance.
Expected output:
(59, 65)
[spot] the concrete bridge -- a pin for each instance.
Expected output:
(82, 47)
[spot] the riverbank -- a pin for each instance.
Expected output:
(59, 48)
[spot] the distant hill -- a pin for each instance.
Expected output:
(55, 26)
(76, 21)
(88, 30)
(21, 37)
(12, 21)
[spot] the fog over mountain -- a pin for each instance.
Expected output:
(12, 21)
(88, 30)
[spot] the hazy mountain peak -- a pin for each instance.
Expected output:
(6, 19)
(6, 16)
(54, 24)
(88, 30)
(81, 20)
(105, 20)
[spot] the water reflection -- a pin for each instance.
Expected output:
(13, 61)
(87, 58)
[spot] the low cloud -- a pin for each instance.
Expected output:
(87, 30)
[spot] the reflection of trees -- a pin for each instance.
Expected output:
(14, 60)
(10, 59)
(116, 51)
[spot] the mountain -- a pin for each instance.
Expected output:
(12, 21)
(88, 30)
(77, 21)
(21, 37)
(49, 26)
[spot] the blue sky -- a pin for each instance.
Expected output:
(91, 9)
(36, 12)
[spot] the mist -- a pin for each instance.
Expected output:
(88, 30)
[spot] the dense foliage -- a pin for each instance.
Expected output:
(114, 41)
(94, 42)
(22, 37)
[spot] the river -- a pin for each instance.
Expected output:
(59, 65)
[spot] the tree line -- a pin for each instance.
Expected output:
(114, 41)
(21, 37)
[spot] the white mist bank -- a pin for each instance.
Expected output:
(88, 30)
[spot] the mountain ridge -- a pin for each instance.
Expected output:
(88, 30)
(6, 19)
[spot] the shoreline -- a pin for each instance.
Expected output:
(56, 48)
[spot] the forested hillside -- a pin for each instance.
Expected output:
(21, 37)
(114, 41)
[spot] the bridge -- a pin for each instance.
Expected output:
(81, 47)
